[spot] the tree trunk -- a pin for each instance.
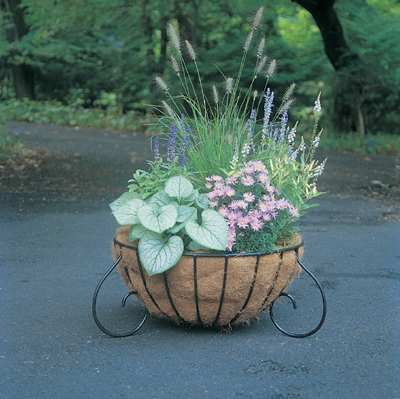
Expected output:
(23, 78)
(23, 74)
(347, 102)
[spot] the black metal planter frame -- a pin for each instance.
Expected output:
(195, 256)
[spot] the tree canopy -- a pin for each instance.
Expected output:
(107, 53)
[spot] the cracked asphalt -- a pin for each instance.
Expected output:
(55, 245)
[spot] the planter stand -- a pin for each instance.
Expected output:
(129, 333)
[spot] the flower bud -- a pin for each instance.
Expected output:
(289, 92)
(161, 83)
(260, 48)
(215, 94)
(229, 85)
(317, 106)
(261, 64)
(258, 16)
(190, 50)
(272, 67)
(248, 41)
(174, 37)
(175, 65)
(169, 111)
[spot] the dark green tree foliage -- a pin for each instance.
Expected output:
(359, 54)
(107, 52)
(376, 37)
(15, 31)
(80, 49)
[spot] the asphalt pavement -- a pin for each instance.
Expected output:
(55, 245)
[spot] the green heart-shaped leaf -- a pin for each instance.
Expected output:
(186, 212)
(156, 218)
(179, 187)
(195, 246)
(213, 232)
(127, 213)
(176, 228)
(123, 199)
(161, 198)
(191, 198)
(136, 231)
(156, 256)
(201, 201)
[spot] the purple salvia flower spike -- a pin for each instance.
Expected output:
(284, 122)
(157, 150)
(171, 145)
(186, 144)
(269, 99)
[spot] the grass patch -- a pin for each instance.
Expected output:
(56, 113)
(380, 143)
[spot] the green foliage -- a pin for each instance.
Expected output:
(169, 221)
(106, 53)
(56, 113)
(376, 38)
(380, 143)
(9, 146)
(150, 183)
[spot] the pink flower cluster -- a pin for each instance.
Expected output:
(247, 200)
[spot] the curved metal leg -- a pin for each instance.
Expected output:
(94, 303)
(271, 313)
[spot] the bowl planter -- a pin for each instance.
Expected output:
(209, 289)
